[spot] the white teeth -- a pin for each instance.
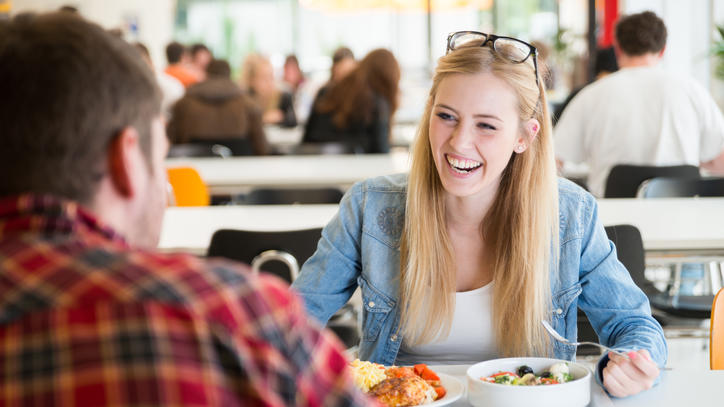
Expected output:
(463, 164)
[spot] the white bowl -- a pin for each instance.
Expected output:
(576, 393)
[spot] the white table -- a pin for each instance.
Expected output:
(239, 174)
(670, 224)
(678, 387)
(666, 224)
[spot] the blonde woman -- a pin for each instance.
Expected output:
(257, 78)
(460, 260)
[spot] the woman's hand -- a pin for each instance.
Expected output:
(625, 377)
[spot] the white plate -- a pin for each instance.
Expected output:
(454, 389)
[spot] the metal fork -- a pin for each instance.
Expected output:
(560, 338)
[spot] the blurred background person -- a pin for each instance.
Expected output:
(258, 80)
(200, 58)
(343, 62)
(171, 88)
(217, 111)
(604, 65)
(358, 109)
(293, 76)
(179, 59)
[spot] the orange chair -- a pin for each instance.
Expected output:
(188, 188)
(716, 333)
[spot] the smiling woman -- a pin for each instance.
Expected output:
(489, 242)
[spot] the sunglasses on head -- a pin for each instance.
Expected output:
(511, 49)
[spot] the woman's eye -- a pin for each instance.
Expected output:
(445, 116)
(486, 126)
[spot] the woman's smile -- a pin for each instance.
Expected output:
(462, 166)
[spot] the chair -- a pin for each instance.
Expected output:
(288, 196)
(266, 250)
(332, 147)
(237, 145)
(188, 189)
(665, 305)
(624, 180)
(716, 333)
(246, 245)
(199, 150)
(664, 187)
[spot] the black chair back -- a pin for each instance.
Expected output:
(332, 147)
(237, 145)
(289, 196)
(662, 187)
(198, 150)
(630, 250)
(624, 180)
(245, 245)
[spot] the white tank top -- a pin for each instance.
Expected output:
(471, 337)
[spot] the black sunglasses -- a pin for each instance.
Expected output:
(512, 49)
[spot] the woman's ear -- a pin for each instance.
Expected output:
(530, 129)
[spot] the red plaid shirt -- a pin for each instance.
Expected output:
(87, 320)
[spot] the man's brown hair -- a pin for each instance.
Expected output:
(642, 33)
(69, 88)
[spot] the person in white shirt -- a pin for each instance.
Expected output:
(640, 115)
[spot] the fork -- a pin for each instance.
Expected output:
(560, 338)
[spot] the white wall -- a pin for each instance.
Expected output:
(153, 18)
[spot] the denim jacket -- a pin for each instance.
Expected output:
(361, 247)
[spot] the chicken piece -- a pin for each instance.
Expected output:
(400, 371)
(403, 391)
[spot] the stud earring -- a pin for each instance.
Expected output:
(519, 148)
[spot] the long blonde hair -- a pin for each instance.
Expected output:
(252, 65)
(520, 229)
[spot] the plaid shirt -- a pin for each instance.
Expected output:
(87, 320)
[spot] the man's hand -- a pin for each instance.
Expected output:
(625, 377)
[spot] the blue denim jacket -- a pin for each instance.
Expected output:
(361, 247)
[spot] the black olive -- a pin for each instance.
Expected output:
(545, 374)
(523, 370)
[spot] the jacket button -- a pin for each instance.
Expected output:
(559, 311)
(371, 304)
(394, 338)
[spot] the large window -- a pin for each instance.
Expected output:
(313, 29)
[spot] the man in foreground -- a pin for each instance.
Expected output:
(89, 313)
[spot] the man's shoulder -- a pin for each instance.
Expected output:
(195, 279)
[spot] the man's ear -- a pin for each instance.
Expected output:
(616, 48)
(121, 161)
(661, 53)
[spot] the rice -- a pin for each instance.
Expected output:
(366, 375)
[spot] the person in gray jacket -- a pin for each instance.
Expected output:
(218, 111)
